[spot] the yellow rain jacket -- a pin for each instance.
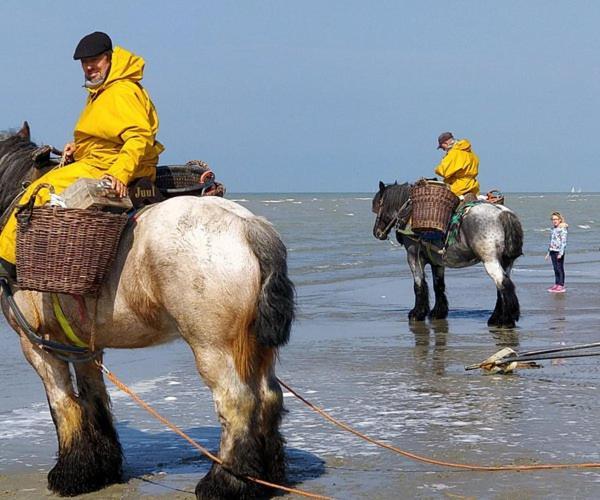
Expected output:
(117, 128)
(459, 168)
(115, 135)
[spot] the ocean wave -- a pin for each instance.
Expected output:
(34, 420)
(583, 226)
(278, 201)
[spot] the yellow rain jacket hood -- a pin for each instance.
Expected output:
(117, 128)
(459, 168)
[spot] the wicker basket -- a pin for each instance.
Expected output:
(66, 250)
(193, 178)
(432, 206)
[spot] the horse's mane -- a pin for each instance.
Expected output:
(16, 164)
(396, 195)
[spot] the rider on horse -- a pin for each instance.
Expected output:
(114, 137)
(459, 167)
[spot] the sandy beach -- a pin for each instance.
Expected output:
(354, 353)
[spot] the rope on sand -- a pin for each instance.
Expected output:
(111, 376)
(421, 458)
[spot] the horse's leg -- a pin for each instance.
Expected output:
(88, 458)
(440, 309)
(416, 263)
(511, 300)
(249, 409)
(102, 441)
(507, 310)
(270, 413)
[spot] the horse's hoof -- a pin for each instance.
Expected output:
(420, 316)
(73, 480)
(219, 484)
(493, 321)
(438, 314)
(91, 462)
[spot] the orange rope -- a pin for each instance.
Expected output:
(433, 461)
(202, 450)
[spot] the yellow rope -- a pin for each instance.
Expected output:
(64, 322)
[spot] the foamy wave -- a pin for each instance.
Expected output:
(26, 422)
(140, 387)
(278, 201)
(583, 226)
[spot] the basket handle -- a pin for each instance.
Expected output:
(24, 211)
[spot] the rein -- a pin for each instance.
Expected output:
(71, 354)
(396, 218)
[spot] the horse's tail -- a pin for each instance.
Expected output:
(276, 302)
(513, 236)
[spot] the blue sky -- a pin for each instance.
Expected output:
(332, 96)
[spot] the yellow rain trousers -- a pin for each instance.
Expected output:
(115, 135)
(459, 168)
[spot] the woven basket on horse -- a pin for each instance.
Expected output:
(193, 178)
(432, 206)
(65, 250)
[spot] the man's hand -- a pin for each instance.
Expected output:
(69, 153)
(117, 185)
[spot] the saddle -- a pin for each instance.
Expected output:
(195, 178)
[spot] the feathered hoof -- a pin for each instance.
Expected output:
(219, 484)
(85, 469)
(417, 315)
(440, 313)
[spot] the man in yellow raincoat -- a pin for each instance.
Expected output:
(459, 167)
(115, 137)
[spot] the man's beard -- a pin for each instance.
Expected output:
(94, 83)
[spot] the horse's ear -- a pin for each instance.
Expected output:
(381, 186)
(25, 133)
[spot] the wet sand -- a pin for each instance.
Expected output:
(404, 384)
(354, 353)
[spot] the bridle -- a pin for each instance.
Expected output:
(396, 219)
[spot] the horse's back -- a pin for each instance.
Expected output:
(489, 231)
(191, 258)
(190, 224)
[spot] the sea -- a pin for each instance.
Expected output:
(354, 353)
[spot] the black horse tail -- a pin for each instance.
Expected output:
(513, 236)
(276, 302)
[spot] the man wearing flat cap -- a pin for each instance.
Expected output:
(115, 137)
(459, 167)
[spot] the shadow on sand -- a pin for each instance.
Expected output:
(164, 453)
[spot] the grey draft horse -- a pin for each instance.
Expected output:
(203, 269)
(491, 234)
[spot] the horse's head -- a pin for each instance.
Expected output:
(20, 161)
(391, 204)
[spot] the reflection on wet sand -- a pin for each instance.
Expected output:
(423, 331)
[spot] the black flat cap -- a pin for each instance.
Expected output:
(92, 45)
(443, 138)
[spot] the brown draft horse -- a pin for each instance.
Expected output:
(204, 269)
